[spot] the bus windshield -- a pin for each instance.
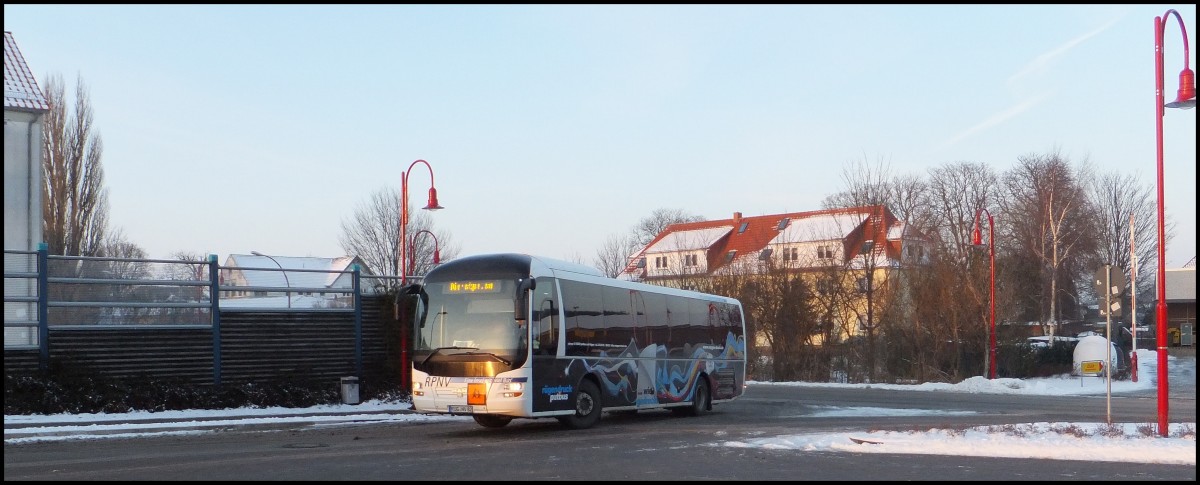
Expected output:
(474, 314)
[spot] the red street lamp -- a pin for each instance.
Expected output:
(977, 239)
(432, 205)
(403, 249)
(1185, 99)
(437, 254)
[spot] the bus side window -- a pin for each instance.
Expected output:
(546, 336)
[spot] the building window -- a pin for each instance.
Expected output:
(729, 256)
(743, 227)
(790, 254)
(867, 246)
(690, 260)
(825, 252)
(863, 284)
(765, 254)
(660, 262)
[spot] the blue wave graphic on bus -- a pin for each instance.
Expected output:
(673, 383)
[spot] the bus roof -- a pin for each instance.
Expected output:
(580, 272)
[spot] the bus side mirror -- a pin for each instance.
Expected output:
(520, 308)
(413, 298)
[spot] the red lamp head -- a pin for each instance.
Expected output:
(433, 202)
(437, 256)
(976, 236)
(1187, 91)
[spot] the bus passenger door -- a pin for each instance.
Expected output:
(545, 329)
(549, 385)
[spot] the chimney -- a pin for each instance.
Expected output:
(737, 217)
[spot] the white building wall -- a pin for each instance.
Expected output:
(22, 180)
(22, 218)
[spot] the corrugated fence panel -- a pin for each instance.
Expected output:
(280, 347)
(21, 362)
(256, 346)
(381, 345)
(132, 352)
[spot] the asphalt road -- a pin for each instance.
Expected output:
(653, 445)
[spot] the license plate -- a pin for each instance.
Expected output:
(453, 409)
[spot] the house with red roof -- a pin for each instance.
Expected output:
(852, 256)
(855, 237)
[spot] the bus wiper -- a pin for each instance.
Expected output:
(494, 356)
(439, 349)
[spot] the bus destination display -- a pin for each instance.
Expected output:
(485, 286)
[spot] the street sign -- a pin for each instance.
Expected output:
(1113, 307)
(1092, 367)
(1109, 282)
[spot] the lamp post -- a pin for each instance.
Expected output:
(402, 267)
(285, 276)
(977, 239)
(437, 254)
(432, 205)
(1185, 99)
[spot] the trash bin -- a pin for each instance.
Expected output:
(349, 390)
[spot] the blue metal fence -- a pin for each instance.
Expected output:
(44, 293)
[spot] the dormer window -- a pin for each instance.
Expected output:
(742, 228)
(729, 256)
(783, 223)
(764, 255)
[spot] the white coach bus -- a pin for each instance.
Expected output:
(505, 336)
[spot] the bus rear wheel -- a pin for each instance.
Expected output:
(699, 400)
(492, 420)
(587, 407)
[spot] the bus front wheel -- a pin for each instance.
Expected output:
(491, 420)
(587, 407)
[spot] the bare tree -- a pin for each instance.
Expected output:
(1052, 220)
(124, 255)
(654, 224)
(616, 253)
(868, 186)
(1122, 201)
(613, 257)
(373, 234)
(956, 192)
(948, 326)
(74, 199)
(865, 185)
(909, 203)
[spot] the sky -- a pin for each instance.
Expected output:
(549, 129)
(1090, 441)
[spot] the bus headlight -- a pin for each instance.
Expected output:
(513, 389)
(416, 389)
